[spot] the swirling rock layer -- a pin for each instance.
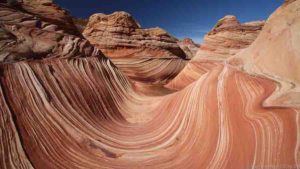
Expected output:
(97, 121)
(150, 70)
(81, 112)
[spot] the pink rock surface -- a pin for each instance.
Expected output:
(275, 54)
(74, 109)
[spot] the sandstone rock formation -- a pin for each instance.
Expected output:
(226, 39)
(189, 47)
(119, 36)
(275, 54)
(81, 112)
(144, 55)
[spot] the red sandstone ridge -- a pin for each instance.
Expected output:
(66, 106)
(119, 36)
(227, 38)
(189, 47)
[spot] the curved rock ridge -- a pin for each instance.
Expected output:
(227, 38)
(83, 113)
(276, 55)
(189, 47)
(190, 73)
(227, 22)
(119, 36)
(27, 36)
(117, 19)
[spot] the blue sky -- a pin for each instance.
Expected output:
(181, 18)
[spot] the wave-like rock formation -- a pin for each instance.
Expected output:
(76, 110)
(150, 55)
(226, 39)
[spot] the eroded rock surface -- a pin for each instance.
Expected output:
(25, 35)
(119, 36)
(228, 37)
(275, 54)
(144, 55)
(78, 111)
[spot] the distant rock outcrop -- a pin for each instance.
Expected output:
(228, 37)
(189, 47)
(119, 36)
